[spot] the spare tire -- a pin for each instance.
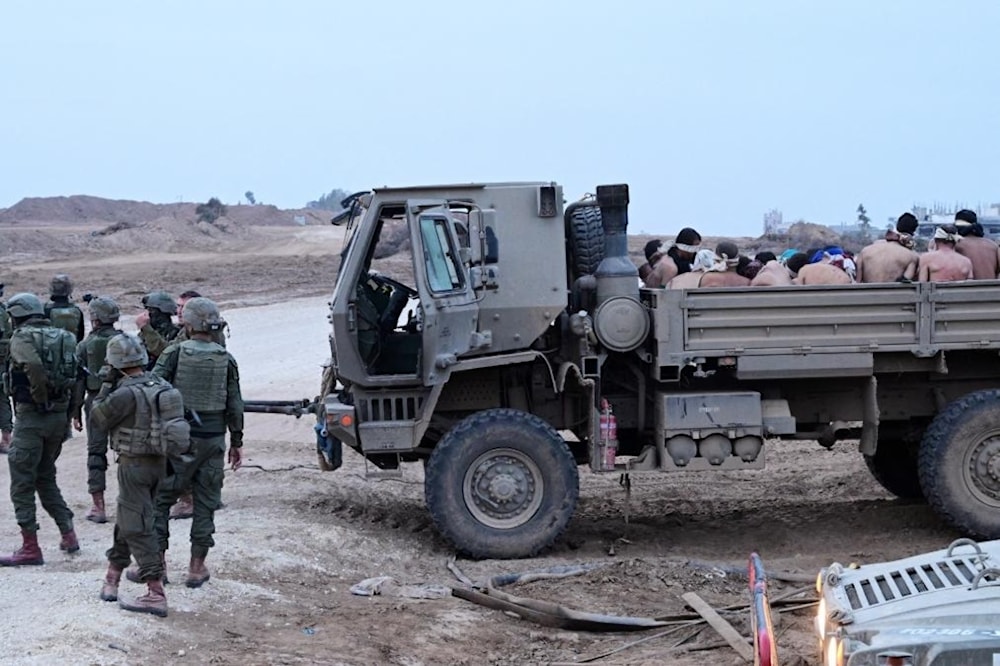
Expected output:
(586, 240)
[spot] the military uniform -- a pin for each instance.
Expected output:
(90, 355)
(208, 378)
(140, 474)
(65, 315)
(143, 418)
(6, 413)
(41, 371)
(158, 335)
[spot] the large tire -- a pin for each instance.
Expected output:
(501, 484)
(895, 466)
(960, 464)
(586, 240)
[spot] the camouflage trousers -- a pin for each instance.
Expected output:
(97, 452)
(202, 471)
(36, 444)
(139, 482)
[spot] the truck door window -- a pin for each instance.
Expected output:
(443, 269)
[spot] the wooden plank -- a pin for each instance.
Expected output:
(726, 630)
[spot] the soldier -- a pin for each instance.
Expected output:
(891, 259)
(943, 263)
(40, 378)
(60, 311)
(6, 415)
(208, 378)
(983, 252)
(90, 356)
(184, 508)
(143, 417)
(156, 325)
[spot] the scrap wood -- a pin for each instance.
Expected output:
(559, 571)
(726, 630)
(550, 614)
(462, 578)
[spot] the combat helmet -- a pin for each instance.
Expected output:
(202, 315)
(61, 285)
(126, 351)
(104, 309)
(24, 305)
(160, 300)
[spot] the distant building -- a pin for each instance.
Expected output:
(774, 224)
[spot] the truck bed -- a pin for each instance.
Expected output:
(852, 322)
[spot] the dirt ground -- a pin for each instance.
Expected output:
(292, 540)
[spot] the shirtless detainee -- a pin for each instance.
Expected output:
(822, 272)
(772, 274)
(891, 259)
(730, 254)
(983, 252)
(944, 264)
(676, 260)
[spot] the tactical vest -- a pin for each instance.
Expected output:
(56, 349)
(201, 375)
(96, 347)
(158, 426)
(67, 317)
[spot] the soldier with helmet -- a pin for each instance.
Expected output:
(41, 374)
(90, 355)
(156, 325)
(60, 311)
(6, 415)
(208, 378)
(143, 418)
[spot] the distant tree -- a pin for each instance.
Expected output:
(210, 211)
(250, 197)
(864, 224)
(330, 201)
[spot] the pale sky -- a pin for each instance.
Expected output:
(713, 111)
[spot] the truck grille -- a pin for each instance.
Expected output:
(394, 407)
(932, 576)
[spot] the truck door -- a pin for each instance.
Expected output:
(449, 307)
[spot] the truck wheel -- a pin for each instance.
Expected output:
(960, 464)
(501, 484)
(586, 240)
(894, 466)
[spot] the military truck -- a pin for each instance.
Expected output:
(517, 345)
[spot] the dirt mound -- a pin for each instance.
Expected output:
(82, 209)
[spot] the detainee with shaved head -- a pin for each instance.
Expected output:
(891, 259)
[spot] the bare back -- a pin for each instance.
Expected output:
(984, 255)
(944, 265)
(886, 261)
(822, 274)
(728, 278)
(689, 280)
(773, 274)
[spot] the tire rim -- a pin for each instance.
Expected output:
(503, 488)
(983, 469)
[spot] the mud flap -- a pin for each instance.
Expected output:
(329, 449)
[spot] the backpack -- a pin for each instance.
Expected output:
(57, 350)
(96, 346)
(160, 406)
(66, 317)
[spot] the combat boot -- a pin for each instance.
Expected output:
(69, 542)
(184, 508)
(153, 602)
(109, 591)
(97, 513)
(28, 553)
(132, 573)
(197, 572)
